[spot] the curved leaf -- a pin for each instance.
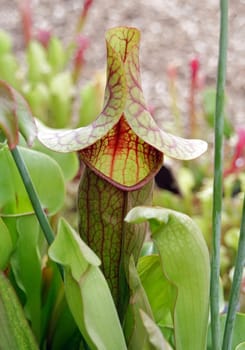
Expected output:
(241, 346)
(68, 162)
(87, 292)
(8, 118)
(15, 115)
(156, 339)
(26, 264)
(160, 291)
(15, 332)
(134, 329)
(185, 262)
(6, 245)
(46, 176)
(238, 331)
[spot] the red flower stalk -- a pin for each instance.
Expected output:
(194, 66)
(86, 6)
(43, 36)
(238, 160)
(79, 57)
(26, 18)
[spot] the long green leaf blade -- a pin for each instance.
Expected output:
(15, 332)
(87, 292)
(28, 275)
(218, 174)
(6, 245)
(185, 262)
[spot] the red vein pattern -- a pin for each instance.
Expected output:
(102, 209)
(123, 158)
(124, 144)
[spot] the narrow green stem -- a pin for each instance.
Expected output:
(218, 174)
(42, 218)
(236, 284)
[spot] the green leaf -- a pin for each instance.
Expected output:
(5, 42)
(209, 101)
(87, 292)
(6, 245)
(15, 116)
(147, 248)
(26, 265)
(8, 118)
(238, 331)
(68, 162)
(38, 97)
(61, 91)
(15, 332)
(59, 330)
(241, 346)
(92, 96)
(38, 67)
(8, 69)
(56, 54)
(156, 339)
(49, 184)
(185, 262)
(134, 329)
(160, 291)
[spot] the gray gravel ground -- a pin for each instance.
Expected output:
(173, 31)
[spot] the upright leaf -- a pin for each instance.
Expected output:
(49, 183)
(238, 334)
(87, 292)
(160, 291)
(185, 262)
(6, 245)
(140, 328)
(15, 332)
(26, 264)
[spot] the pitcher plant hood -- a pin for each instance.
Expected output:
(124, 144)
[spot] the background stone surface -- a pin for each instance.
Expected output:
(172, 32)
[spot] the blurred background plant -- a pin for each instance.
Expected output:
(48, 76)
(187, 187)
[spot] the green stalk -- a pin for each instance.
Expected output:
(41, 216)
(218, 174)
(235, 288)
